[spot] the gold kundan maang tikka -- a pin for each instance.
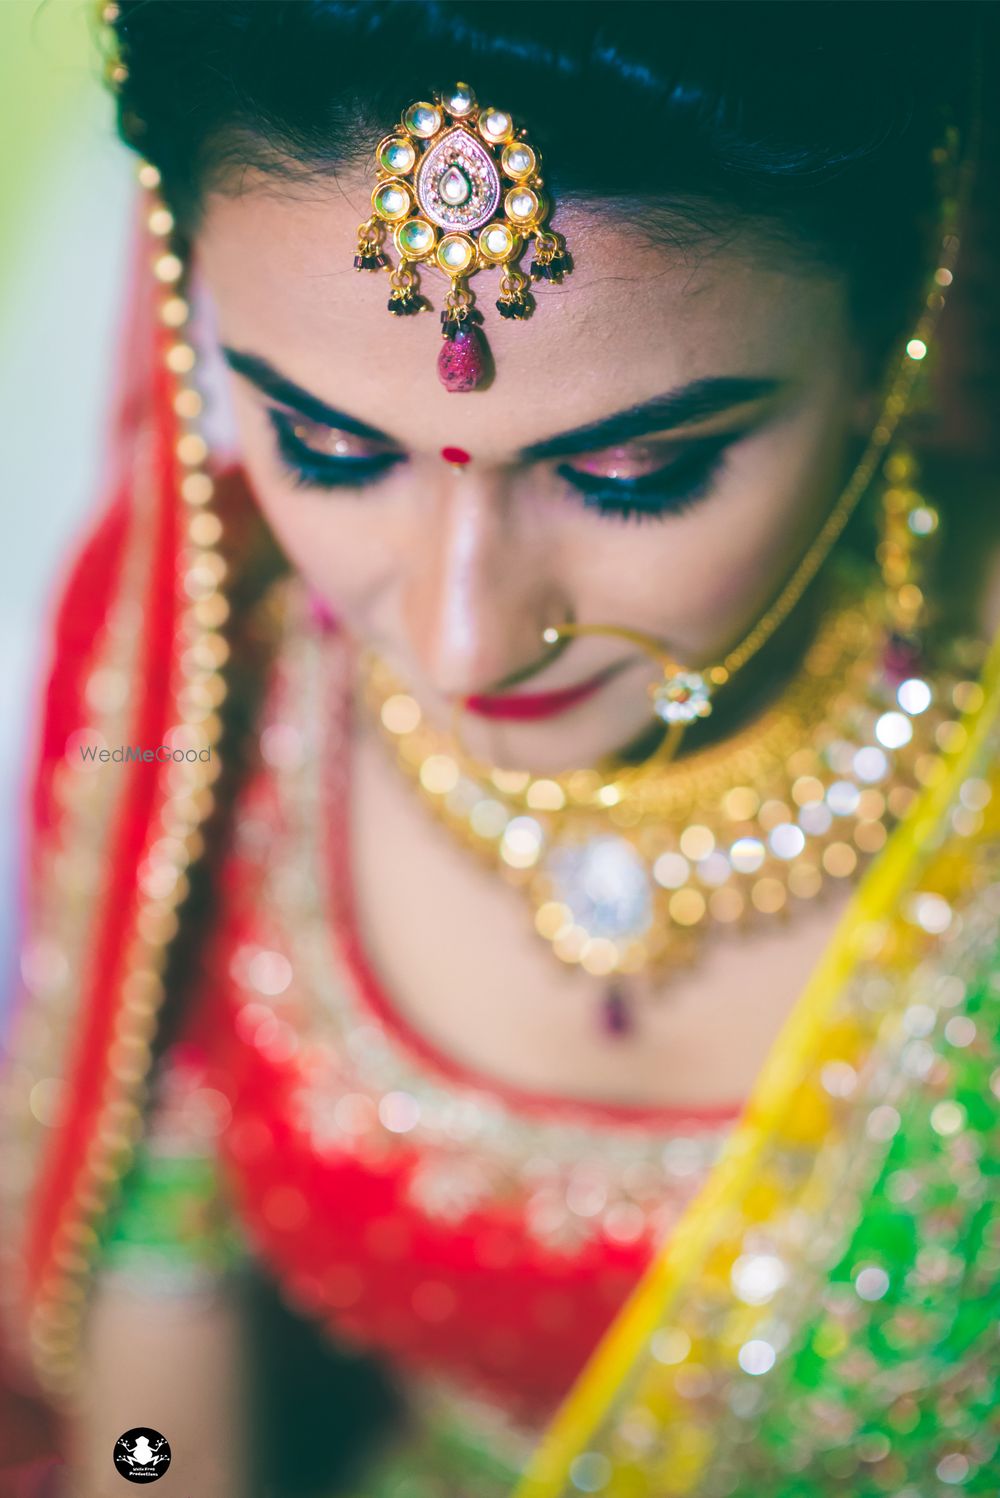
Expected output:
(624, 865)
(458, 186)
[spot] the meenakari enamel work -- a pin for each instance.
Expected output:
(458, 189)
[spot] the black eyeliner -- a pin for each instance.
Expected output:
(668, 490)
(320, 470)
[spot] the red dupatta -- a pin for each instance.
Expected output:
(134, 656)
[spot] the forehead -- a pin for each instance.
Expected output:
(633, 320)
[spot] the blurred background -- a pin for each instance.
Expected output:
(65, 191)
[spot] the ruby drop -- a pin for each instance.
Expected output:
(462, 361)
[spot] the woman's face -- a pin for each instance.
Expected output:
(659, 443)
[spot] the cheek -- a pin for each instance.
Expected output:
(699, 577)
(329, 538)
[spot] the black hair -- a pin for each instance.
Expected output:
(812, 122)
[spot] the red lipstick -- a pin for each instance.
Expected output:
(530, 706)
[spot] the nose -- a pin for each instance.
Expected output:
(476, 594)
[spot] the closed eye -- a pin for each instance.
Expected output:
(625, 483)
(632, 484)
(322, 457)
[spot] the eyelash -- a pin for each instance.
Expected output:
(669, 490)
(311, 470)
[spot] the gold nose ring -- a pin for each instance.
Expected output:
(678, 699)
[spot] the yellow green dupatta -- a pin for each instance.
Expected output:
(824, 1319)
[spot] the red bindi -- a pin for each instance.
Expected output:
(456, 455)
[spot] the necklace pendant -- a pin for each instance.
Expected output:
(616, 1016)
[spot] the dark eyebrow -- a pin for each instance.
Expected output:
(694, 402)
(270, 382)
(688, 403)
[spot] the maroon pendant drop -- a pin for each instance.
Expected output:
(462, 361)
(902, 656)
(616, 1017)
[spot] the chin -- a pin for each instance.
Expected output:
(579, 739)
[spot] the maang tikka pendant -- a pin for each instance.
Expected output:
(458, 187)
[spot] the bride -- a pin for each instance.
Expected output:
(510, 989)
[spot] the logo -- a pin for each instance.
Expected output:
(142, 1455)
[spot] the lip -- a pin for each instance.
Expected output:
(530, 706)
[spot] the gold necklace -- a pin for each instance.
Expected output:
(625, 870)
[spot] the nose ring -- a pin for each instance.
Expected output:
(679, 698)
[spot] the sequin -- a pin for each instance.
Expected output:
(953, 1468)
(400, 713)
(948, 1118)
(489, 818)
(589, 1472)
(757, 1277)
(269, 972)
(522, 842)
(670, 1345)
(786, 840)
(960, 1031)
(838, 1078)
(399, 1112)
(842, 798)
(747, 854)
(914, 696)
(46, 1101)
(697, 842)
(439, 774)
(893, 730)
(930, 911)
(871, 1282)
(756, 1356)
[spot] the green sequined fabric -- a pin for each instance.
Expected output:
(444, 1457)
(893, 1386)
(173, 1229)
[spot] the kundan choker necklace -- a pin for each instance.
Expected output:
(625, 870)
